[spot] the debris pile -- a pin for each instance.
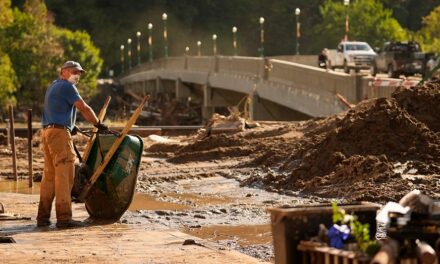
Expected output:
(378, 150)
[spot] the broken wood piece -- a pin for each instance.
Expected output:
(344, 101)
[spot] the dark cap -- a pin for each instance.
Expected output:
(72, 64)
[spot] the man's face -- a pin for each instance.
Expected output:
(72, 75)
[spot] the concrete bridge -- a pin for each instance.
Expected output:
(278, 89)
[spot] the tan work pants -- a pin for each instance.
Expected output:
(59, 168)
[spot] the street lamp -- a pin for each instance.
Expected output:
(199, 48)
(129, 52)
(214, 44)
(150, 42)
(234, 40)
(122, 59)
(298, 32)
(138, 34)
(261, 49)
(347, 27)
(165, 35)
(186, 51)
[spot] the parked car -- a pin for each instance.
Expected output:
(397, 58)
(352, 55)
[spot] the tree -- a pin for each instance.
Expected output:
(7, 82)
(368, 21)
(33, 51)
(5, 13)
(429, 35)
(8, 79)
(37, 48)
(78, 46)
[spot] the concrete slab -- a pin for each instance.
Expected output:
(111, 243)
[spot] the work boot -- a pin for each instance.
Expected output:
(42, 223)
(70, 223)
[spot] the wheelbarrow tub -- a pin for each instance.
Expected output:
(112, 193)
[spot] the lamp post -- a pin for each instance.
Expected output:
(186, 51)
(165, 35)
(199, 48)
(234, 40)
(122, 59)
(150, 42)
(138, 35)
(129, 52)
(261, 49)
(298, 32)
(214, 44)
(347, 27)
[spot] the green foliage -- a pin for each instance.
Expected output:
(78, 46)
(368, 21)
(429, 35)
(7, 82)
(34, 54)
(110, 23)
(36, 49)
(361, 232)
(5, 13)
(338, 213)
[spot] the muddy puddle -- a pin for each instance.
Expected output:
(148, 202)
(214, 209)
(21, 186)
(243, 235)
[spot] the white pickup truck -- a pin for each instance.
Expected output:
(351, 55)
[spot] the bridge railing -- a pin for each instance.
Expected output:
(201, 63)
(298, 76)
(241, 66)
(307, 77)
(175, 63)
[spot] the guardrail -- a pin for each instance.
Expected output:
(299, 76)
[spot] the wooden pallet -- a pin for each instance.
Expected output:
(318, 253)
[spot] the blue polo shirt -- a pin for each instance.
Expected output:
(59, 105)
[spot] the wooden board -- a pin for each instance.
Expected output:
(112, 150)
(101, 116)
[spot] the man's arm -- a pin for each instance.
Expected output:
(86, 111)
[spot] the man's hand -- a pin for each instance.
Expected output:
(74, 131)
(101, 127)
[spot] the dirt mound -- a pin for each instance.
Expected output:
(366, 153)
(164, 148)
(422, 102)
(360, 178)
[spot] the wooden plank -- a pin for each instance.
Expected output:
(112, 150)
(31, 170)
(101, 116)
(12, 133)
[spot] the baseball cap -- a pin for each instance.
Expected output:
(72, 64)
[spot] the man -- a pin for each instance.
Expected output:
(323, 59)
(58, 120)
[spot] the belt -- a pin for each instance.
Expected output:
(56, 126)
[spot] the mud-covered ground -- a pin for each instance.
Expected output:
(221, 185)
(377, 151)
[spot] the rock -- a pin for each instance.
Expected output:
(200, 216)
(189, 242)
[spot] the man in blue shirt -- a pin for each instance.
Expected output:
(58, 120)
